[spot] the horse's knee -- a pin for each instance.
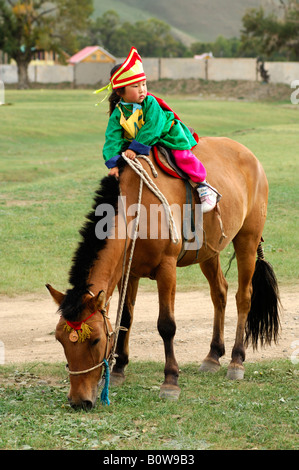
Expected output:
(166, 327)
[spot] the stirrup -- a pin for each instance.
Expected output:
(204, 183)
(209, 196)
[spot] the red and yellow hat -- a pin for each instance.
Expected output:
(131, 71)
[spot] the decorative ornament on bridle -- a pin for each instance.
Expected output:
(79, 332)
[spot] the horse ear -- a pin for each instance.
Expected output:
(101, 300)
(57, 296)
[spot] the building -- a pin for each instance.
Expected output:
(39, 57)
(42, 57)
(92, 54)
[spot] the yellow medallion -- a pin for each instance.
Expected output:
(73, 336)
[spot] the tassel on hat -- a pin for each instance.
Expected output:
(109, 90)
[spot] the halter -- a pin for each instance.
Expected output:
(108, 334)
(106, 377)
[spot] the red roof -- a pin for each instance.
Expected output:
(75, 59)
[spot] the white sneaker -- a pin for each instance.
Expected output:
(208, 196)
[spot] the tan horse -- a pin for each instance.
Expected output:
(98, 266)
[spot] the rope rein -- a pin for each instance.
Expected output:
(144, 176)
(79, 372)
(144, 179)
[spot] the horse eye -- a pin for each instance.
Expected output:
(95, 341)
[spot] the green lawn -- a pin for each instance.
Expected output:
(213, 413)
(51, 164)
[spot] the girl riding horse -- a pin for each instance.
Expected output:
(137, 122)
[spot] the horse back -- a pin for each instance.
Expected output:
(239, 176)
(234, 170)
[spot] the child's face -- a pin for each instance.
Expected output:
(135, 93)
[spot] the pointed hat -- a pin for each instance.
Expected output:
(131, 71)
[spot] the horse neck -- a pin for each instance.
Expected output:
(107, 269)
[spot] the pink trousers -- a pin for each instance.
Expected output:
(188, 162)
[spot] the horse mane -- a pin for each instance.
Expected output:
(88, 249)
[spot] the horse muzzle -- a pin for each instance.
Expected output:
(82, 403)
(83, 397)
(85, 405)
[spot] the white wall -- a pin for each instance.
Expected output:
(183, 68)
(232, 69)
(39, 73)
(212, 69)
(283, 72)
(8, 73)
(52, 73)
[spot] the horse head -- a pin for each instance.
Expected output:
(86, 336)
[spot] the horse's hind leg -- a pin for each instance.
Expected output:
(166, 282)
(218, 289)
(122, 349)
(245, 247)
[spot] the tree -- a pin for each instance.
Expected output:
(31, 24)
(103, 30)
(221, 47)
(152, 38)
(270, 35)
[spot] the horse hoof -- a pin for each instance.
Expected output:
(170, 392)
(117, 379)
(209, 366)
(235, 373)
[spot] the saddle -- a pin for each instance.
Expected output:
(165, 160)
(167, 163)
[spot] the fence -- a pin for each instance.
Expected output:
(158, 68)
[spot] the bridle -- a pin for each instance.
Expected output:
(144, 178)
(105, 361)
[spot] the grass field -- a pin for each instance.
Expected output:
(51, 164)
(213, 413)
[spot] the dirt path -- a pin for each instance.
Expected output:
(28, 324)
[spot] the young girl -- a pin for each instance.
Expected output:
(137, 122)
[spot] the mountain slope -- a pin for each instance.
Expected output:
(191, 20)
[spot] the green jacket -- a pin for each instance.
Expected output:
(160, 126)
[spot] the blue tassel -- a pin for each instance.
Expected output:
(105, 392)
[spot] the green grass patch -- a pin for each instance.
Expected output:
(51, 165)
(259, 412)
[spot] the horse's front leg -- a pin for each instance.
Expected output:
(122, 349)
(166, 281)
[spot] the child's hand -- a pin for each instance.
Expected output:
(114, 172)
(130, 154)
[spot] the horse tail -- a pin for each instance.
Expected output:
(263, 319)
